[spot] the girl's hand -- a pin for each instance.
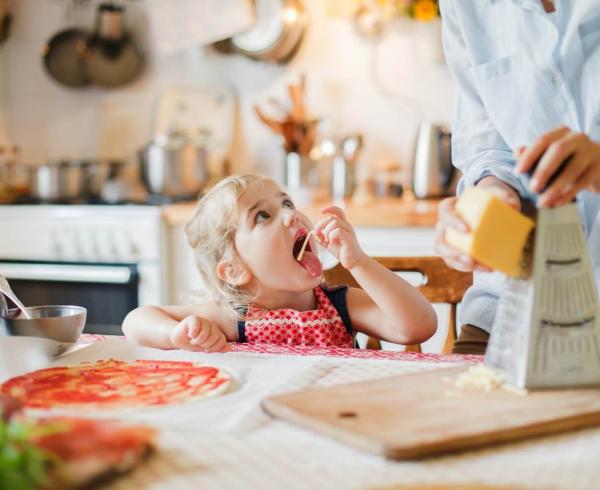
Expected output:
(198, 334)
(449, 218)
(338, 236)
(582, 170)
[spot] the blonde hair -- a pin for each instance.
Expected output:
(211, 232)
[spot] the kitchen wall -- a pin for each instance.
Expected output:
(381, 89)
(3, 98)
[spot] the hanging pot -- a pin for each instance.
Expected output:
(112, 59)
(63, 57)
(5, 21)
(63, 54)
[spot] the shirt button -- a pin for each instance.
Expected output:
(556, 79)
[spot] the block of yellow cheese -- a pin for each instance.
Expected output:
(498, 232)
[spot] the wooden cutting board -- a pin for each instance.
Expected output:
(423, 414)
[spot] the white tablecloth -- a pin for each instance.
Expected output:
(228, 442)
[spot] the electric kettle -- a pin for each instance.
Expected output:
(433, 172)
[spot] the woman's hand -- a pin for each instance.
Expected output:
(581, 171)
(337, 234)
(198, 334)
(449, 218)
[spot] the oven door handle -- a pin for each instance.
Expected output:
(67, 273)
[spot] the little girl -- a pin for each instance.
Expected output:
(247, 235)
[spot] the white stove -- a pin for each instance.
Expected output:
(108, 258)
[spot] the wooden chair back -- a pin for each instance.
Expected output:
(441, 284)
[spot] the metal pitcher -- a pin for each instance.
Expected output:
(433, 172)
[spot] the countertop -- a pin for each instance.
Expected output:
(378, 213)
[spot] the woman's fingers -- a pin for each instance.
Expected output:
(591, 174)
(504, 191)
(532, 154)
(570, 162)
(554, 157)
(449, 218)
(567, 162)
(454, 258)
(459, 260)
(565, 187)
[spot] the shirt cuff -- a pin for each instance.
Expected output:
(478, 172)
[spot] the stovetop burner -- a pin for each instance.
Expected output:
(160, 200)
(150, 200)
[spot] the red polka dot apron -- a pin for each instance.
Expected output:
(326, 326)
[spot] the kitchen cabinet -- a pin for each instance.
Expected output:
(387, 228)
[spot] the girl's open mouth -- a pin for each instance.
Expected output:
(308, 259)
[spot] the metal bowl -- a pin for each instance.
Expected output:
(58, 323)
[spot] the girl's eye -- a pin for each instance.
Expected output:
(261, 216)
(288, 204)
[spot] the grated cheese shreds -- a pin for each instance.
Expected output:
(484, 378)
(480, 377)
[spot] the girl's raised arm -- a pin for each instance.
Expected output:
(387, 307)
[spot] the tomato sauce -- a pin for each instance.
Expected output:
(112, 383)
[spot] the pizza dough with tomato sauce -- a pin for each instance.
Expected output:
(117, 384)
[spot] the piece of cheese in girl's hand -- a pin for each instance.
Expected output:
(498, 232)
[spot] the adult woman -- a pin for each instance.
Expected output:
(527, 74)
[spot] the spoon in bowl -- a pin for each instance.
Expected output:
(5, 288)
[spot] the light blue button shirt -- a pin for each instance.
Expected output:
(520, 72)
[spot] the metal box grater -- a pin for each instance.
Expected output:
(546, 332)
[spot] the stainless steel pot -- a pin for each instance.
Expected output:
(61, 181)
(5, 21)
(175, 165)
